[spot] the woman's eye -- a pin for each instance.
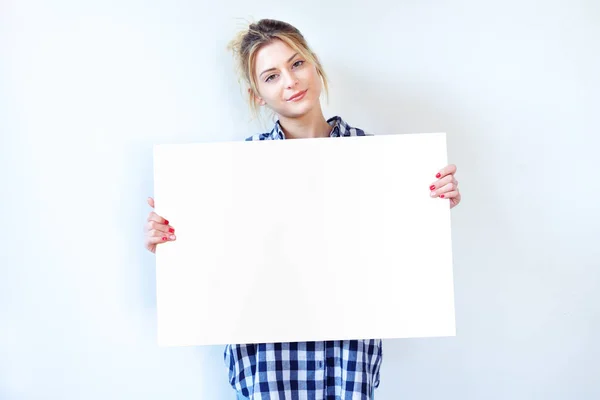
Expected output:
(270, 77)
(298, 63)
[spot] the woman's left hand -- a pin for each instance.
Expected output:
(446, 187)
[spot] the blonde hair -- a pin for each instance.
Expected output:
(250, 40)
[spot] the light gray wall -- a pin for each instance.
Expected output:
(86, 89)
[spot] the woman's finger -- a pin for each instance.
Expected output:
(449, 195)
(159, 236)
(159, 227)
(152, 241)
(449, 187)
(441, 182)
(151, 202)
(447, 170)
(157, 218)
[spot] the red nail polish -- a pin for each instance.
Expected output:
(166, 222)
(442, 196)
(438, 175)
(431, 187)
(164, 238)
(171, 230)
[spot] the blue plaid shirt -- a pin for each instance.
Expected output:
(331, 370)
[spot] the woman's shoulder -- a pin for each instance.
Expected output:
(276, 133)
(259, 136)
(345, 129)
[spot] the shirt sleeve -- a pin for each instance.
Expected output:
(241, 361)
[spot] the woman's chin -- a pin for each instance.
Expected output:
(297, 110)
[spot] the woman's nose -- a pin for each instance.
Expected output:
(290, 79)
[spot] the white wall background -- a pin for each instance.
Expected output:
(87, 88)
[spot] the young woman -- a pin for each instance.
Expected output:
(285, 76)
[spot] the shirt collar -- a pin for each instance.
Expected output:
(337, 125)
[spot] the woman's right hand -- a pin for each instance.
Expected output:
(158, 229)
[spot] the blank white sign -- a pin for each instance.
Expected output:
(302, 240)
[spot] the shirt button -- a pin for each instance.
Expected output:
(320, 364)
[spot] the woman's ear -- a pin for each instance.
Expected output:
(257, 99)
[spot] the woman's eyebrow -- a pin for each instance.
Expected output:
(273, 69)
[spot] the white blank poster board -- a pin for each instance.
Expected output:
(301, 240)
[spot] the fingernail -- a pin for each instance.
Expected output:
(431, 187)
(171, 230)
(166, 222)
(432, 194)
(442, 196)
(438, 175)
(164, 238)
(172, 237)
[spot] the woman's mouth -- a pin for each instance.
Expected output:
(298, 96)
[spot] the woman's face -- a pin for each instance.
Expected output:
(287, 83)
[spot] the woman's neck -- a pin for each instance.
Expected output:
(310, 125)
